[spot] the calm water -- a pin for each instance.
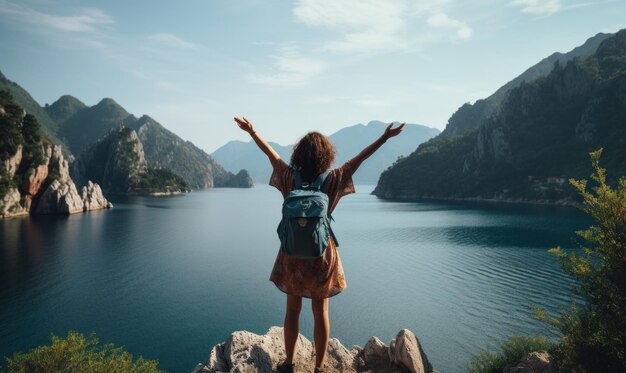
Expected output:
(170, 277)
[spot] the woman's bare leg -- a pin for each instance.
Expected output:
(321, 329)
(294, 305)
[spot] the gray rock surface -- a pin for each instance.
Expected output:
(534, 362)
(13, 163)
(92, 197)
(60, 197)
(249, 352)
(11, 205)
(406, 351)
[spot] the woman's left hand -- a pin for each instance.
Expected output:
(244, 124)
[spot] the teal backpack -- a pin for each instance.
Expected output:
(304, 230)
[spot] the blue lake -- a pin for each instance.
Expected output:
(169, 277)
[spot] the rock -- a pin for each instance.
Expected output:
(34, 179)
(58, 165)
(375, 355)
(406, 350)
(13, 163)
(10, 205)
(92, 197)
(534, 362)
(61, 197)
(248, 352)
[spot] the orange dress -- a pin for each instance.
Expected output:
(321, 277)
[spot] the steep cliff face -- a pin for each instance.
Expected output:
(118, 163)
(539, 138)
(34, 176)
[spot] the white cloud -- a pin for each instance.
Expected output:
(365, 24)
(541, 7)
(372, 25)
(170, 40)
(293, 69)
(85, 20)
(442, 20)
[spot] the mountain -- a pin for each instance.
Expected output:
(351, 140)
(64, 108)
(164, 149)
(470, 116)
(88, 124)
(236, 155)
(348, 141)
(27, 102)
(537, 140)
(117, 162)
(77, 126)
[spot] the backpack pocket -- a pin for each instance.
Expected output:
(303, 237)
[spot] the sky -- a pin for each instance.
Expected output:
(288, 66)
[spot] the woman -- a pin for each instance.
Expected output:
(323, 277)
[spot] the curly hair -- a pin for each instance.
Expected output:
(313, 155)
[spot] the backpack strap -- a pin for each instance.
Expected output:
(318, 184)
(297, 179)
(320, 181)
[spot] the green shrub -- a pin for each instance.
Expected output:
(77, 354)
(594, 332)
(510, 352)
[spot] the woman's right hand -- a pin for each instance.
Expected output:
(244, 124)
(391, 132)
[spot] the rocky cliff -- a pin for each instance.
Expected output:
(118, 163)
(47, 188)
(34, 176)
(248, 352)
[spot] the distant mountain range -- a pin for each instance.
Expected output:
(538, 136)
(348, 141)
(76, 126)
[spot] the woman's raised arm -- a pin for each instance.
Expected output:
(266, 148)
(370, 149)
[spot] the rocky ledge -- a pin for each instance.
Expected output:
(249, 352)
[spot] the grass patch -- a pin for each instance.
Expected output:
(510, 352)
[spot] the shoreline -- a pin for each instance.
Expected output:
(562, 202)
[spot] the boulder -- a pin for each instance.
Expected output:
(534, 362)
(61, 197)
(92, 197)
(249, 352)
(10, 204)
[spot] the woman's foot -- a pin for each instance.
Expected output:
(285, 367)
(319, 370)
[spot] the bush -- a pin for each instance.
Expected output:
(78, 354)
(510, 352)
(594, 332)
